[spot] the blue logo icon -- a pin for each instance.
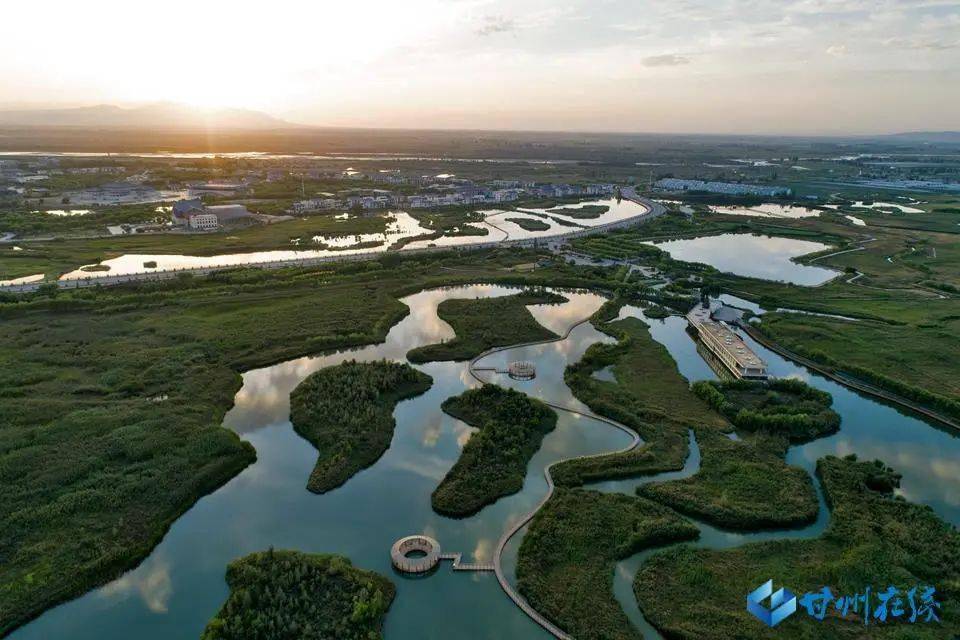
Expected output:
(782, 604)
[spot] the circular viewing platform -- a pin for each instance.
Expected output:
(522, 370)
(415, 554)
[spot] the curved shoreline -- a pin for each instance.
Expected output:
(651, 211)
(512, 593)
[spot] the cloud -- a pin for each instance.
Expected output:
(837, 50)
(495, 24)
(666, 60)
(921, 45)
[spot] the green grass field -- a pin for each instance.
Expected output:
(873, 540)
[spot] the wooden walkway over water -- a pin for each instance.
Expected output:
(465, 566)
(508, 588)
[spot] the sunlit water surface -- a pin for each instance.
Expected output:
(175, 591)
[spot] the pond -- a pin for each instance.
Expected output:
(37, 277)
(401, 226)
(66, 212)
(767, 210)
(175, 591)
(499, 227)
(754, 256)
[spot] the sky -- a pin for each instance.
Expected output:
(710, 66)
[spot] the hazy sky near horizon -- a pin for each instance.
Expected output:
(722, 66)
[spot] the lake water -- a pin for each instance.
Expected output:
(754, 256)
(860, 204)
(767, 210)
(402, 226)
(174, 592)
(399, 226)
(66, 212)
(37, 277)
(499, 228)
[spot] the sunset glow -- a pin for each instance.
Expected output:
(813, 66)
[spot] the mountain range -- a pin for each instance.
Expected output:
(166, 115)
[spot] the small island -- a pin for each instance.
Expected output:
(582, 212)
(783, 407)
(486, 323)
(529, 224)
(566, 560)
(346, 412)
(494, 461)
(746, 485)
(277, 595)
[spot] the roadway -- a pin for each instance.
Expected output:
(654, 210)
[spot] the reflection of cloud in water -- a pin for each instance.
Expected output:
(559, 318)
(151, 581)
(769, 257)
(430, 467)
(431, 430)
(463, 431)
(483, 552)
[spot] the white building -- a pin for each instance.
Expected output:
(204, 221)
(728, 188)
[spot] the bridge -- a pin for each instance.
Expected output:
(508, 588)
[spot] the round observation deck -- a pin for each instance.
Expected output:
(522, 370)
(415, 554)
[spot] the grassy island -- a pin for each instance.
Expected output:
(494, 461)
(529, 224)
(784, 407)
(277, 595)
(566, 562)
(874, 540)
(650, 396)
(346, 412)
(486, 323)
(583, 212)
(740, 485)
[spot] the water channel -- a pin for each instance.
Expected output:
(175, 591)
(400, 226)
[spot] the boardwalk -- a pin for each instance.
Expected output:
(508, 588)
(465, 566)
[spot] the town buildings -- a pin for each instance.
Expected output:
(728, 188)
